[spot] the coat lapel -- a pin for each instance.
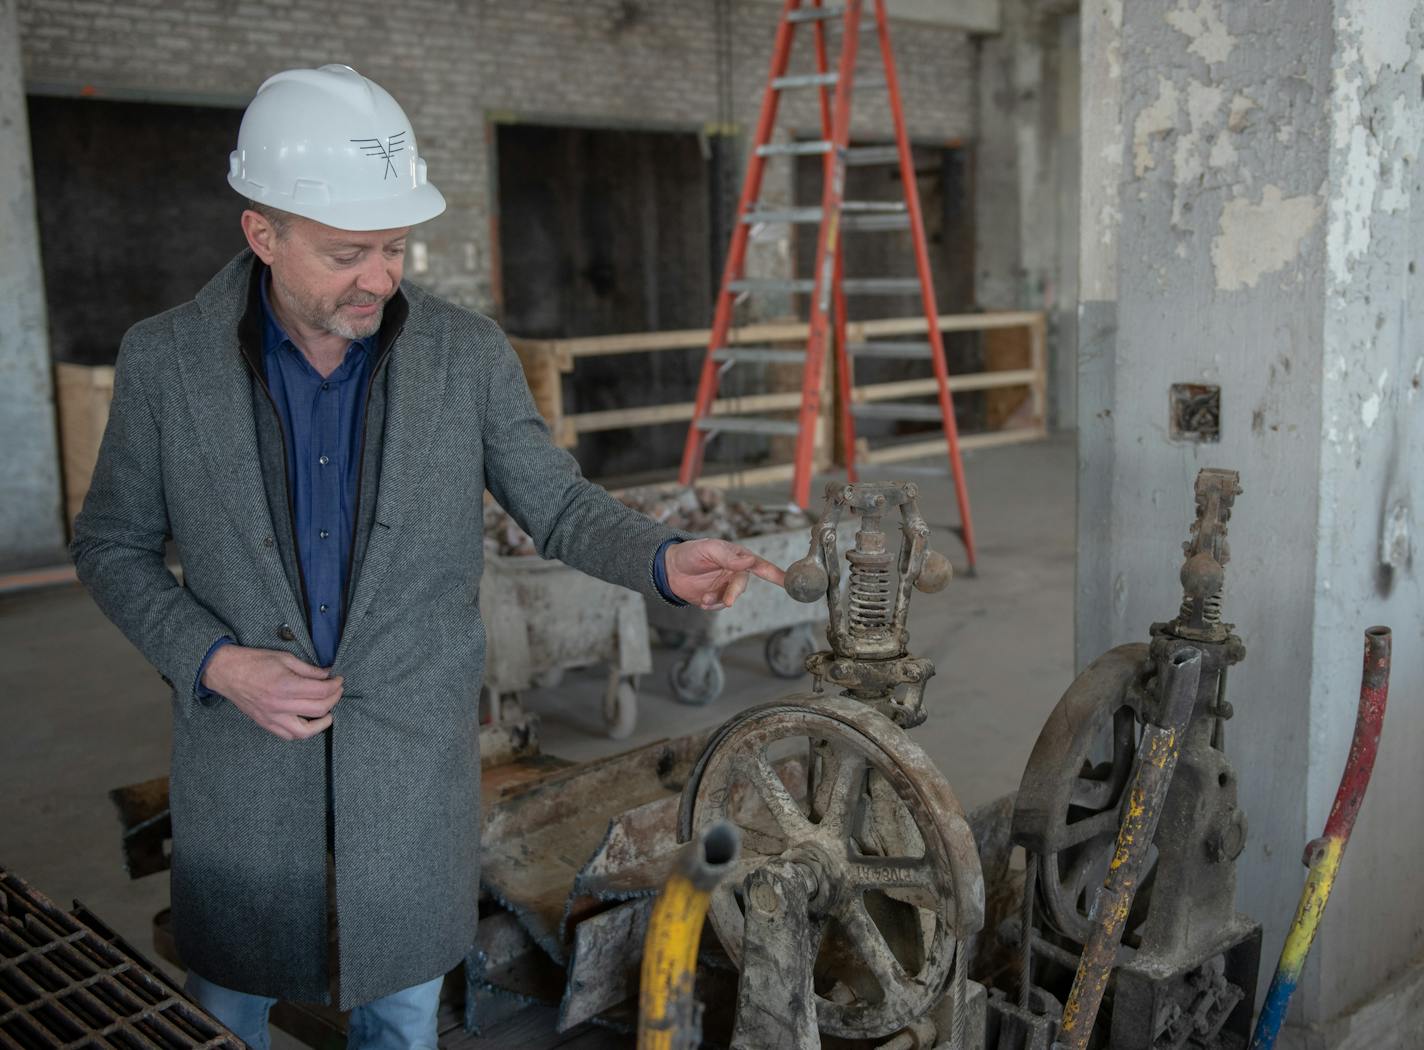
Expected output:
(217, 385)
(419, 367)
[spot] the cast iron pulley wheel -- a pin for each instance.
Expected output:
(787, 649)
(899, 876)
(697, 677)
(1076, 782)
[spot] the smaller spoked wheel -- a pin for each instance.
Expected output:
(896, 861)
(787, 649)
(1076, 784)
(620, 707)
(697, 677)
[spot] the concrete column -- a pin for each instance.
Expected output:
(1026, 179)
(31, 527)
(1251, 217)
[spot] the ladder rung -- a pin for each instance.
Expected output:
(772, 284)
(797, 215)
(805, 80)
(878, 207)
(759, 355)
(873, 154)
(903, 351)
(749, 425)
(896, 410)
(875, 222)
(816, 14)
(880, 285)
(794, 149)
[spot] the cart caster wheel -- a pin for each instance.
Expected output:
(620, 708)
(669, 638)
(787, 649)
(549, 678)
(697, 678)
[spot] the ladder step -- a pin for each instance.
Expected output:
(816, 14)
(805, 80)
(887, 207)
(873, 154)
(749, 425)
(794, 149)
(802, 216)
(896, 410)
(772, 284)
(759, 355)
(898, 351)
(851, 285)
(880, 285)
(873, 223)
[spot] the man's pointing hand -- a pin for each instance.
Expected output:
(711, 574)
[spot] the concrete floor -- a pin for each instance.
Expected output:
(81, 712)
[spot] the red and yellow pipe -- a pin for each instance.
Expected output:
(1323, 855)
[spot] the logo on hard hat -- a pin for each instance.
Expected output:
(384, 151)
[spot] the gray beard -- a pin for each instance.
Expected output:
(355, 330)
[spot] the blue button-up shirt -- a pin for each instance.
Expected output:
(321, 419)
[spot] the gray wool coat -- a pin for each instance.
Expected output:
(193, 452)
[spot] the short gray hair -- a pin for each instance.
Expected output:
(281, 220)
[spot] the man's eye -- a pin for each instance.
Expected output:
(345, 260)
(396, 252)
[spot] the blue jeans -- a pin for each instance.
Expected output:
(404, 1020)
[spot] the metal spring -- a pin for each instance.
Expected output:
(1211, 609)
(870, 591)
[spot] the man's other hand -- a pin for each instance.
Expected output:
(283, 695)
(712, 574)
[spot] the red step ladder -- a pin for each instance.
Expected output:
(828, 287)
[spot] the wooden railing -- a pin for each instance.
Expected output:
(546, 360)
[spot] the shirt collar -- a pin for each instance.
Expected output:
(274, 335)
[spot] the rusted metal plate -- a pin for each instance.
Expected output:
(604, 963)
(148, 830)
(538, 839)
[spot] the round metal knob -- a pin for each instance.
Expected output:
(806, 581)
(936, 573)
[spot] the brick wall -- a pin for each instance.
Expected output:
(456, 64)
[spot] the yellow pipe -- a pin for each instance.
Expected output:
(668, 1014)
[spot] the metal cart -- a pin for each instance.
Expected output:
(543, 617)
(793, 631)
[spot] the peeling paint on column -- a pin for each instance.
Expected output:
(1202, 22)
(1154, 122)
(1260, 238)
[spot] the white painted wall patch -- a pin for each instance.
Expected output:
(1257, 239)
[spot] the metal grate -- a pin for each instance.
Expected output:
(68, 981)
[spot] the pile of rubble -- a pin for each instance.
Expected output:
(700, 510)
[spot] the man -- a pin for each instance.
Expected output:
(316, 439)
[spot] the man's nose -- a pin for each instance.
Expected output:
(376, 276)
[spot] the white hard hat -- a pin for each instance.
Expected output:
(335, 147)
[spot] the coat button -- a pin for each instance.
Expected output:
(268, 541)
(286, 633)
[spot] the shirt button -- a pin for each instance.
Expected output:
(326, 386)
(322, 607)
(323, 460)
(323, 534)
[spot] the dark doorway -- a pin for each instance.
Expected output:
(602, 232)
(134, 213)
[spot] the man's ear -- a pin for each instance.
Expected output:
(261, 235)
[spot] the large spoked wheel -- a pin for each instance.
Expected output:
(834, 778)
(1074, 787)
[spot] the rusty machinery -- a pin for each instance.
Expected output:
(1188, 977)
(859, 887)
